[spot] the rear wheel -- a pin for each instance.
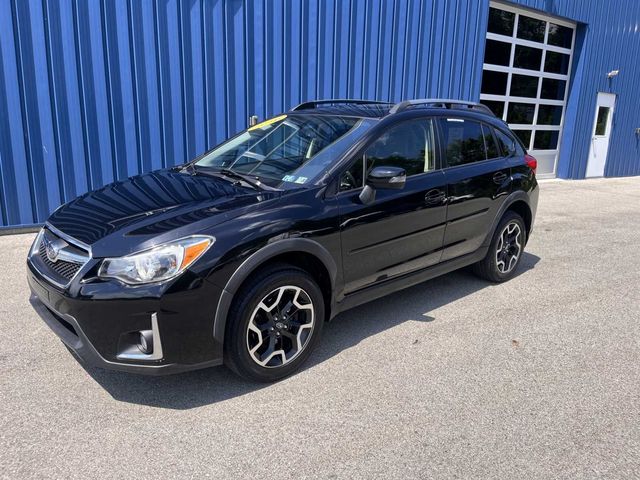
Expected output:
(505, 251)
(274, 324)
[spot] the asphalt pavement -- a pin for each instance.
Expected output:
(454, 378)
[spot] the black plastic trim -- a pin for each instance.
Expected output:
(514, 197)
(260, 257)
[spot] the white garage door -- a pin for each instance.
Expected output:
(525, 77)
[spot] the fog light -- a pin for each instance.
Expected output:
(145, 342)
(144, 345)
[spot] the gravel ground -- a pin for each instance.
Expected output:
(454, 378)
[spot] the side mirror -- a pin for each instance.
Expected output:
(380, 178)
(387, 178)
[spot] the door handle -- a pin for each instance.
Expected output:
(499, 177)
(434, 197)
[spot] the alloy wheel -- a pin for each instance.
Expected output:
(280, 326)
(509, 247)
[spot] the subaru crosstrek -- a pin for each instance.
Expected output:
(241, 256)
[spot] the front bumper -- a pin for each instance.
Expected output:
(94, 322)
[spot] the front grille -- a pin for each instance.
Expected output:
(65, 269)
(70, 258)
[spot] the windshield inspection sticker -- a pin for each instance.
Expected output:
(294, 179)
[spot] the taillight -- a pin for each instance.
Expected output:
(532, 163)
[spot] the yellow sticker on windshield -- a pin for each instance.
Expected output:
(267, 122)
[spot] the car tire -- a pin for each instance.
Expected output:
(274, 324)
(505, 251)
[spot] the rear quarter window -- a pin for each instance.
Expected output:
(508, 144)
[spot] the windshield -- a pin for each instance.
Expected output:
(287, 149)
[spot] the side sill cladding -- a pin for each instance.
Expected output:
(260, 257)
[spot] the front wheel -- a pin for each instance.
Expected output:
(274, 324)
(505, 251)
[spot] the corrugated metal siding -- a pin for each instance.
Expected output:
(95, 91)
(608, 39)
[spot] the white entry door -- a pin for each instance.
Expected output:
(601, 134)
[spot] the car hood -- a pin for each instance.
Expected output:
(148, 209)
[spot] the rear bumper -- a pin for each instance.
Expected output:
(94, 328)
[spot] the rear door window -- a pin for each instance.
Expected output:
(490, 142)
(463, 141)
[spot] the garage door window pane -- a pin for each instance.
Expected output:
(524, 86)
(494, 83)
(553, 89)
(560, 36)
(555, 62)
(549, 115)
(497, 53)
(496, 107)
(546, 140)
(527, 57)
(501, 22)
(531, 29)
(524, 136)
(520, 113)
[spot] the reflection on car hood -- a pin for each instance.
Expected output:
(161, 205)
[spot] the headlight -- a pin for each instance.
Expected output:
(158, 264)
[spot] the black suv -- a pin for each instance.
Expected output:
(240, 256)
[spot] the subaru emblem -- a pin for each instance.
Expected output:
(52, 248)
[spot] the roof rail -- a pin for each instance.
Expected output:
(442, 103)
(315, 103)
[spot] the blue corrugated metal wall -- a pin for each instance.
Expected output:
(608, 39)
(97, 90)
(92, 91)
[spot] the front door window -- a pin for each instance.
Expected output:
(409, 145)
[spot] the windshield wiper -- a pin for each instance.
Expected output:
(248, 179)
(190, 167)
(253, 181)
